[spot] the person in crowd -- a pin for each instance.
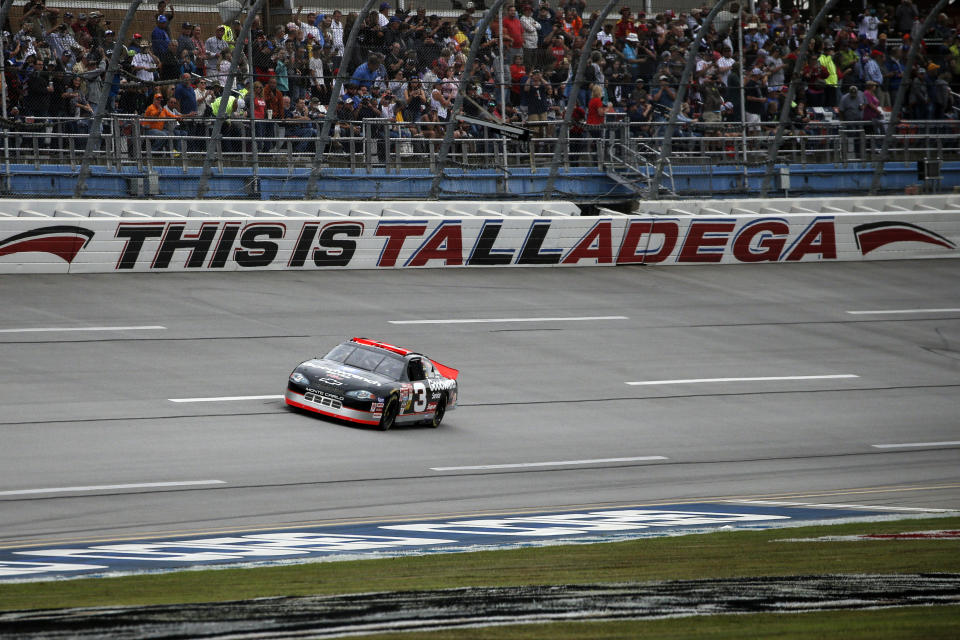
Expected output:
(159, 38)
(872, 112)
(538, 95)
(214, 46)
(851, 106)
(153, 125)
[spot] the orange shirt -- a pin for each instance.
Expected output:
(153, 111)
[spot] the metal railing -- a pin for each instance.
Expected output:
(384, 144)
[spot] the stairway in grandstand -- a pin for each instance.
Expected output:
(635, 167)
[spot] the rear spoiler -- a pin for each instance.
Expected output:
(445, 371)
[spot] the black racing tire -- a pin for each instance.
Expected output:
(390, 413)
(440, 412)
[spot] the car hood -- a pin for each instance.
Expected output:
(328, 373)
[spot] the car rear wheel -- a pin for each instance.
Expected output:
(389, 414)
(440, 412)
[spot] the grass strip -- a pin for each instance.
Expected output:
(714, 555)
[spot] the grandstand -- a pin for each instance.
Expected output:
(594, 102)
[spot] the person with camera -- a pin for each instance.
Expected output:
(755, 94)
(663, 97)
(538, 94)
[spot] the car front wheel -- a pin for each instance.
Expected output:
(440, 412)
(389, 414)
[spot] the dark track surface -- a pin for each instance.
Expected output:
(92, 408)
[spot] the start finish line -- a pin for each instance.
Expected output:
(358, 541)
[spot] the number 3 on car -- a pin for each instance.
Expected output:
(419, 397)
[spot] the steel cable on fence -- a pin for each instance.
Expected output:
(452, 113)
(564, 134)
(221, 113)
(100, 102)
(796, 79)
(331, 114)
(905, 82)
(666, 144)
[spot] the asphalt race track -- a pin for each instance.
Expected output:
(774, 382)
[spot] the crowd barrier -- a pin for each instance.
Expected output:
(99, 236)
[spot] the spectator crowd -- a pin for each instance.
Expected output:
(409, 67)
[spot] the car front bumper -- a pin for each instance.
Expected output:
(330, 407)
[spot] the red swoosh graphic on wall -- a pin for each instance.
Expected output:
(60, 240)
(874, 235)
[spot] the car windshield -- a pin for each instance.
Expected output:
(340, 352)
(367, 359)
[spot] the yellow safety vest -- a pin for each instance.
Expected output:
(832, 79)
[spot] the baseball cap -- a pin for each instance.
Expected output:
(161, 19)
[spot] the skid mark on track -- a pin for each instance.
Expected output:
(337, 616)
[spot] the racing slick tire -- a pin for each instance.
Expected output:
(440, 412)
(389, 414)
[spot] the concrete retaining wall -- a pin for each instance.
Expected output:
(90, 236)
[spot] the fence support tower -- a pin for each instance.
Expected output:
(454, 111)
(666, 146)
(221, 113)
(902, 94)
(563, 135)
(331, 115)
(100, 101)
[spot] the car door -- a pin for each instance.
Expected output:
(418, 380)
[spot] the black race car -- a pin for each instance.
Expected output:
(374, 383)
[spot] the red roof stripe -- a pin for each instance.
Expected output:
(382, 345)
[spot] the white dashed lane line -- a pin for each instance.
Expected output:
(57, 329)
(110, 487)
(480, 320)
(225, 398)
(880, 312)
(559, 463)
(762, 379)
(908, 445)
